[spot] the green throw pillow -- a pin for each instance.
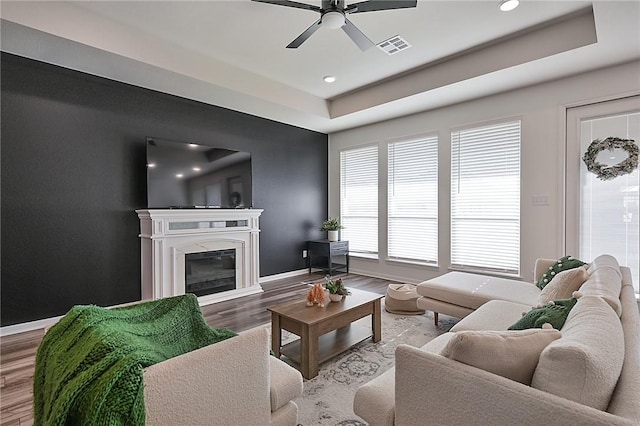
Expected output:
(561, 264)
(555, 313)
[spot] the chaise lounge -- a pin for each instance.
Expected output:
(458, 294)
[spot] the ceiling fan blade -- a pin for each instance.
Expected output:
(291, 4)
(373, 5)
(305, 35)
(356, 35)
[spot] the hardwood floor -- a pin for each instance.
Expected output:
(17, 352)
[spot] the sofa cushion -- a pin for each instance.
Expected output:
(493, 315)
(562, 264)
(554, 313)
(605, 280)
(510, 354)
(436, 345)
(563, 285)
(585, 364)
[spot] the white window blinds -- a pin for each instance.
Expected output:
(413, 200)
(485, 198)
(359, 199)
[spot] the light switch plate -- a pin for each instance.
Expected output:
(540, 200)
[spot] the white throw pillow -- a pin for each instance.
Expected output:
(563, 285)
(584, 366)
(510, 354)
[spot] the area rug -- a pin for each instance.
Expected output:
(328, 398)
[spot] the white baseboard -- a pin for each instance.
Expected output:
(393, 278)
(28, 326)
(47, 322)
(283, 275)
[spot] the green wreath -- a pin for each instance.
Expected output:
(603, 171)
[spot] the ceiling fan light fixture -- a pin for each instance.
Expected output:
(508, 5)
(333, 16)
(333, 19)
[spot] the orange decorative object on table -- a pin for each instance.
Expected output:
(316, 295)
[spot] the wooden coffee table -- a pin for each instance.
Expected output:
(324, 332)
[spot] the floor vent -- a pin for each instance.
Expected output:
(394, 45)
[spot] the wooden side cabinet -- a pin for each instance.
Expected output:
(330, 256)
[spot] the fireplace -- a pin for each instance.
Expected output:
(212, 253)
(210, 272)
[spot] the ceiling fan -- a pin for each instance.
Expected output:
(333, 15)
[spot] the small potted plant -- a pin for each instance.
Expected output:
(336, 288)
(332, 225)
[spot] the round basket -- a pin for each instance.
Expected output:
(402, 299)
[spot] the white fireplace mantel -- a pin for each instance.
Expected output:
(167, 235)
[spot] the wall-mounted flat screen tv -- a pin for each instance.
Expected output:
(186, 175)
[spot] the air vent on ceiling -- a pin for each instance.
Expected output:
(393, 45)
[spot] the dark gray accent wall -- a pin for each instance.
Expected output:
(73, 172)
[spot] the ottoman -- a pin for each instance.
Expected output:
(402, 299)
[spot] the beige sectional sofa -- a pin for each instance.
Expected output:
(233, 382)
(590, 375)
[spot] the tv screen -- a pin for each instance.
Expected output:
(186, 175)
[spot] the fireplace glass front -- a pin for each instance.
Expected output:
(210, 272)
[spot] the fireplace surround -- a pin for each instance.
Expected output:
(168, 236)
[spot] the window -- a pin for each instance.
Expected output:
(413, 200)
(359, 199)
(485, 198)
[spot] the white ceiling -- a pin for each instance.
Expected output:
(232, 53)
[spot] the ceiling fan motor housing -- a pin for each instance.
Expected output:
(328, 5)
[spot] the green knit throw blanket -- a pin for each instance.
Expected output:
(89, 365)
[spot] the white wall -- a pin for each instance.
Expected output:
(542, 110)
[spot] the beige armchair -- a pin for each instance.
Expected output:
(233, 382)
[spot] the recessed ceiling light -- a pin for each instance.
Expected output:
(329, 78)
(507, 5)
(193, 145)
(196, 169)
(151, 165)
(179, 175)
